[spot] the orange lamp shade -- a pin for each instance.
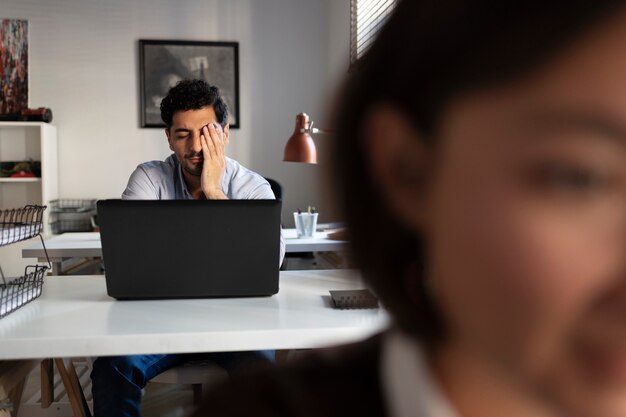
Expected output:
(300, 146)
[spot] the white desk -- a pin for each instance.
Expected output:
(319, 243)
(88, 245)
(75, 317)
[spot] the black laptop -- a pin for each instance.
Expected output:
(190, 249)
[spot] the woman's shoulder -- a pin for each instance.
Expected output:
(327, 382)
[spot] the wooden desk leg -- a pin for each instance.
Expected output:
(12, 379)
(15, 396)
(72, 387)
(47, 383)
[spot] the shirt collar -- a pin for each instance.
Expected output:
(409, 386)
(181, 184)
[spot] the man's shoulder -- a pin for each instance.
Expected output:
(242, 183)
(236, 169)
(329, 382)
(152, 180)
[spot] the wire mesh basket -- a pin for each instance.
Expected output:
(20, 223)
(16, 225)
(15, 293)
(72, 215)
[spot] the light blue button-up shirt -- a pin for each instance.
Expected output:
(163, 180)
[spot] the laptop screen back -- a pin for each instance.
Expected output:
(190, 248)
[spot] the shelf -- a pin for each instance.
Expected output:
(22, 124)
(27, 179)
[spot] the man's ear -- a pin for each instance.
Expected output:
(169, 139)
(226, 130)
(399, 161)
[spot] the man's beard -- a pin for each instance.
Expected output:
(193, 169)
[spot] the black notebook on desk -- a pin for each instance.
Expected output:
(189, 248)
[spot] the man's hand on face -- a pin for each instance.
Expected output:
(212, 140)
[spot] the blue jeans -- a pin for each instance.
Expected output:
(118, 381)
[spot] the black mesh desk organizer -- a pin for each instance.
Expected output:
(72, 215)
(17, 225)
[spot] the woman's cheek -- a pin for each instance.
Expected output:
(515, 277)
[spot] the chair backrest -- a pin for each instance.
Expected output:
(276, 188)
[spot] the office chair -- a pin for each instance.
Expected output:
(299, 258)
(276, 188)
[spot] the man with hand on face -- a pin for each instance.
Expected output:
(196, 119)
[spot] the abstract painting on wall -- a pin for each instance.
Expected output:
(13, 65)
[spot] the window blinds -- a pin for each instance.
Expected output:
(366, 18)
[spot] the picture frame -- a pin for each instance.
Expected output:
(162, 63)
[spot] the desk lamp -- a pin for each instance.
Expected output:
(300, 146)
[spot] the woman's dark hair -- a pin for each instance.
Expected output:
(193, 95)
(428, 53)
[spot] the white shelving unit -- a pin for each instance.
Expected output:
(21, 141)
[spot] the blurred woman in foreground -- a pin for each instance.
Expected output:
(483, 144)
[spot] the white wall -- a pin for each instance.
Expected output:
(84, 66)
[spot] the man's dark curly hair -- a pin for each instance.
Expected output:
(193, 95)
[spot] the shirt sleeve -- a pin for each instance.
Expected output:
(140, 187)
(262, 191)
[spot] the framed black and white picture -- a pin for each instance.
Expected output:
(163, 63)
